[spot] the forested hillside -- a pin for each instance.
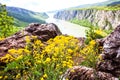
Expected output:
(23, 17)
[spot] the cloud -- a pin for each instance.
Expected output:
(46, 5)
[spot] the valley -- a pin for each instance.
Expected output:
(67, 27)
(72, 42)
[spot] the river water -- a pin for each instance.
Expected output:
(67, 27)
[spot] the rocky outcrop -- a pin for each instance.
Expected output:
(105, 19)
(43, 32)
(108, 68)
(111, 54)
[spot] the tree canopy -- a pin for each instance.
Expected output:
(6, 22)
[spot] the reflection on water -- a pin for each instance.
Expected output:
(67, 27)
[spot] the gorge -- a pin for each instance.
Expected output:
(67, 27)
(105, 19)
(71, 44)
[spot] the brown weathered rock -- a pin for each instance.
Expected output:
(111, 53)
(84, 73)
(43, 32)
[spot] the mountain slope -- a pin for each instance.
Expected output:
(23, 17)
(114, 3)
(106, 3)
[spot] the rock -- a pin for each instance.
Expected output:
(43, 32)
(81, 41)
(108, 68)
(111, 52)
(84, 73)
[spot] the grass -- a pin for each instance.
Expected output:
(83, 22)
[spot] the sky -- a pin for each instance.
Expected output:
(47, 5)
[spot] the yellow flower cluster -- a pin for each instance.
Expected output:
(43, 61)
(14, 55)
(100, 32)
(59, 53)
(63, 48)
(90, 54)
(7, 58)
(44, 77)
(1, 38)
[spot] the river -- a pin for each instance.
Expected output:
(67, 27)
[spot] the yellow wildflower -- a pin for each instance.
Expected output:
(66, 79)
(27, 39)
(72, 70)
(20, 51)
(18, 76)
(1, 77)
(2, 38)
(7, 58)
(100, 56)
(12, 51)
(37, 42)
(45, 76)
(98, 32)
(47, 60)
(61, 72)
(38, 61)
(5, 77)
(92, 42)
(42, 78)
(26, 51)
(19, 57)
(34, 37)
(70, 51)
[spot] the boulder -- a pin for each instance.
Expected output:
(84, 73)
(110, 62)
(43, 32)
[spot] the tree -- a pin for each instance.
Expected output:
(6, 22)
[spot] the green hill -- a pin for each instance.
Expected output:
(23, 17)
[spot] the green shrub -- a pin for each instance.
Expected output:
(6, 22)
(94, 33)
(90, 53)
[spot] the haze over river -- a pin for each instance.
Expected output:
(67, 27)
